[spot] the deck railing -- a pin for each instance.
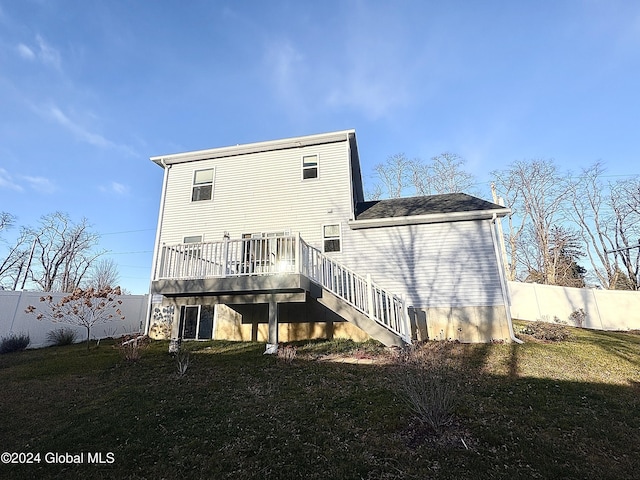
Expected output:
(247, 256)
(285, 254)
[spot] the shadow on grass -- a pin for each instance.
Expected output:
(240, 414)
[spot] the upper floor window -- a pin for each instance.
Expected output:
(309, 167)
(331, 238)
(202, 185)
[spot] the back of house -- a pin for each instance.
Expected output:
(273, 241)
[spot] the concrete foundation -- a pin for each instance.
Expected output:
(464, 324)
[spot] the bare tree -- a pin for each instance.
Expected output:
(442, 174)
(589, 212)
(537, 195)
(375, 193)
(6, 220)
(14, 259)
(394, 175)
(64, 252)
(626, 223)
(448, 174)
(15, 263)
(103, 273)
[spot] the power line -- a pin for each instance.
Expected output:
(623, 248)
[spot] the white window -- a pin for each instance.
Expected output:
(331, 238)
(202, 185)
(193, 239)
(309, 167)
(192, 248)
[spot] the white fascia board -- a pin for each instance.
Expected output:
(271, 145)
(430, 218)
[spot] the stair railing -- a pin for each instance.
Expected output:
(382, 306)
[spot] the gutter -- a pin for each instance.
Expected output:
(429, 218)
(257, 147)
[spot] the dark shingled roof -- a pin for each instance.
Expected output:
(430, 204)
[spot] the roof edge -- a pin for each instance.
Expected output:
(429, 218)
(256, 147)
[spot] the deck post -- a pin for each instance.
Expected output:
(272, 341)
(297, 248)
(225, 255)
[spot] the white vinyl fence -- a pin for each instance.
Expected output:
(13, 318)
(604, 309)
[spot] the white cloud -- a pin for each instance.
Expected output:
(115, 188)
(368, 75)
(6, 181)
(77, 129)
(25, 52)
(42, 51)
(119, 188)
(375, 72)
(283, 62)
(375, 95)
(47, 53)
(40, 184)
(81, 132)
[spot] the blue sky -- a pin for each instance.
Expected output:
(89, 90)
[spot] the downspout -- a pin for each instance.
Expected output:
(503, 282)
(156, 249)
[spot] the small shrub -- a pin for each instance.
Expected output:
(131, 347)
(62, 336)
(578, 317)
(287, 354)
(547, 331)
(14, 342)
(428, 385)
(182, 363)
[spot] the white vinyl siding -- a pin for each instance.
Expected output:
(261, 192)
(433, 265)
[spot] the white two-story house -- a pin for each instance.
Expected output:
(273, 241)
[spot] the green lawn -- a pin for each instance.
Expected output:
(537, 410)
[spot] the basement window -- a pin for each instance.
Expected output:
(202, 185)
(309, 167)
(192, 247)
(331, 238)
(193, 239)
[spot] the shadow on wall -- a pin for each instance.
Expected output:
(456, 265)
(297, 321)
